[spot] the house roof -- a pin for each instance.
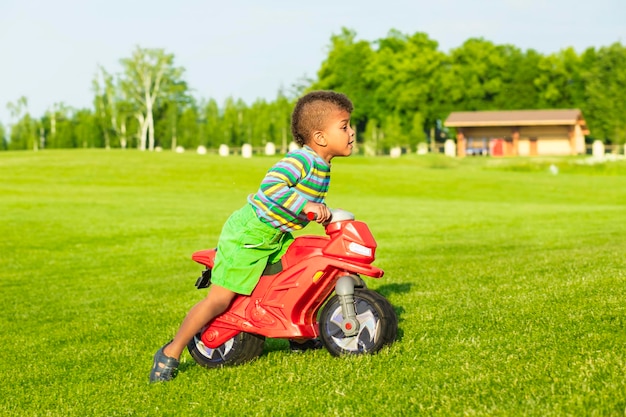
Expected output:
(514, 118)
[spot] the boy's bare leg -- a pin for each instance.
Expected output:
(216, 302)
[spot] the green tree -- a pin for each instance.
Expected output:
(519, 90)
(23, 131)
(265, 122)
(4, 144)
(345, 70)
(402, 87)
(178, 125)
(392, 134)
(605, 92)
(115, 115)
(233, 123)
(417, 134)
(558, 80)
(58, 127)
(407, 72)
(280, 121)
(87, 133)
(372, 137)
(189, 127)
(476, 75)
(210, 125)
(107, 104)
(258, 122)
(149, 76)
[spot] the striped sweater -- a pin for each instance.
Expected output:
(301, 176)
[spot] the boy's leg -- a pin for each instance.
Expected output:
(216, 302)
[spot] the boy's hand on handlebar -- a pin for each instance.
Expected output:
(317, 211)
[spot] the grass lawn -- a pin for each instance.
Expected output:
(509, 283)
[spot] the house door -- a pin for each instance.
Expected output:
(508, 146)
(533, 147)
(497, 147)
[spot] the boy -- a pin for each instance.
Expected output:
(261, 230)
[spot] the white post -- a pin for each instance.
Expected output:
(270, 149)
(597, 149)
(223, 150)
(246, 150)
(449, 148)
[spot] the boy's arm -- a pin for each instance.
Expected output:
(277, 186)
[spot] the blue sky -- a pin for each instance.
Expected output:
(50, 50)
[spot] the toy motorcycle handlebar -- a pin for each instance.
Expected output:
(336, 215)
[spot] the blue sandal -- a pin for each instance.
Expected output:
(164, 367)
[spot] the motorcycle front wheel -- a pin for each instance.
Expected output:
(242, 348)
(378, 324)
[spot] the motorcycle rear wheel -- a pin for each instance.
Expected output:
(377, 320)
(243, 347)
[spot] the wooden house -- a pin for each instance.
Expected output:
(519, 132)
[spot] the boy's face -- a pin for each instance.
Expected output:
(337, 136)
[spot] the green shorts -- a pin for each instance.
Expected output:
(246, 245)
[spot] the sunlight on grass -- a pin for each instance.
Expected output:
(508, 282)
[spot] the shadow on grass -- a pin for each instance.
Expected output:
(185, 365)
(275, 345)
(389, 289)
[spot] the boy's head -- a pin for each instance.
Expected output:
(312, 110)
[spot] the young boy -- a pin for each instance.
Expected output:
(261, 230)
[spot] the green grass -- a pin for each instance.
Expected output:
(509, 283)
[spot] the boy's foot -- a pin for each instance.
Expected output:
(310, 344)
(164, 367)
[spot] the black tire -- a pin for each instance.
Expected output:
(377, 319)
(242, 348)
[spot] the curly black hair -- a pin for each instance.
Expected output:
(311, 110)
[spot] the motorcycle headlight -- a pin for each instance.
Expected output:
(359, 249)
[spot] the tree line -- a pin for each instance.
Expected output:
(403, 87)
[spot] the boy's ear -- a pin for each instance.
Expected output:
(319, 139)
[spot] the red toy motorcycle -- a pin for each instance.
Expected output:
(287, 300)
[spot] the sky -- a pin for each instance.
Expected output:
(250, 49)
